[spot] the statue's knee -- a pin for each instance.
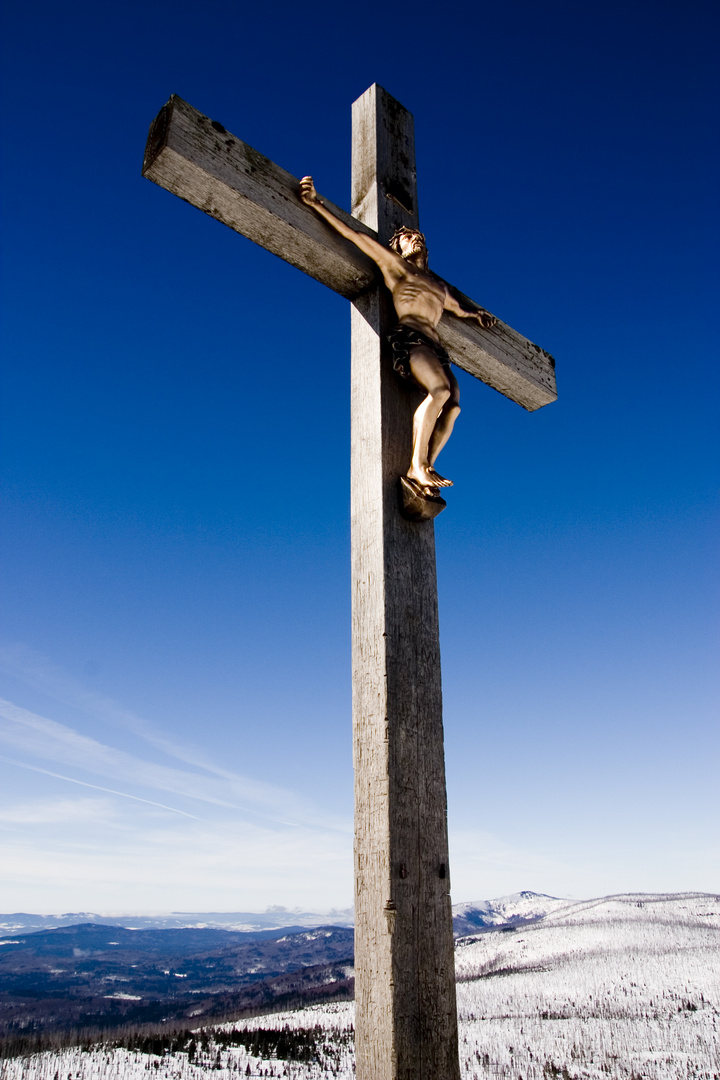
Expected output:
(440, 394)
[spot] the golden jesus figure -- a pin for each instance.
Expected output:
(420, 299)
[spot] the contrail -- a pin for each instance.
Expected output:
(97, 787)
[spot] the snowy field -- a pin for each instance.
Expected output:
(624, 987)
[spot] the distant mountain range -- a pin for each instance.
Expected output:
(467, 918)
(275, 918)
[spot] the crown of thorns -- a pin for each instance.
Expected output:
(404, 231)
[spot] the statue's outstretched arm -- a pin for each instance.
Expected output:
(481, 316)
(384, 257)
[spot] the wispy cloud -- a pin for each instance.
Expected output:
(49, 741)
(248, 844)
(43, 674)
(207, 780)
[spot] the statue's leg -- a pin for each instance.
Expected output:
(446, 420)
(433, 378)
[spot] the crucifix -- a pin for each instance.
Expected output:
(406, 1023)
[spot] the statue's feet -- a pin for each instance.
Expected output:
(427, 479)
(438, 480)
(423, 482)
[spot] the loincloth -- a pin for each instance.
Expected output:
(403, 339)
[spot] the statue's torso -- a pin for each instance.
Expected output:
(419, 301)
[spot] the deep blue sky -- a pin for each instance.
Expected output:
(176, 603)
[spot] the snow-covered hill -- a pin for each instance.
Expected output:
(622, 986)
(512, 910)
(619, 988)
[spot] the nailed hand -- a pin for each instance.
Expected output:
(308, 194)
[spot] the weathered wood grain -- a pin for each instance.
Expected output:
(195, 158)
(406, 1025)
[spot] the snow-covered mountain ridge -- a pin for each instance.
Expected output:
(511, 910)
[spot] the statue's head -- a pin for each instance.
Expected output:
(407, 242)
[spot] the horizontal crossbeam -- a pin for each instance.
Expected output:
(195, 158)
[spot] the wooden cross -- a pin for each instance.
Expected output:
(406, 1025)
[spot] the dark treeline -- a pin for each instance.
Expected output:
(285, 1044)
(133, 1035)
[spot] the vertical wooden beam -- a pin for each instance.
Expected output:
(406, 1025)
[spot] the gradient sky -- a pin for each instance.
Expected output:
(175, 727)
